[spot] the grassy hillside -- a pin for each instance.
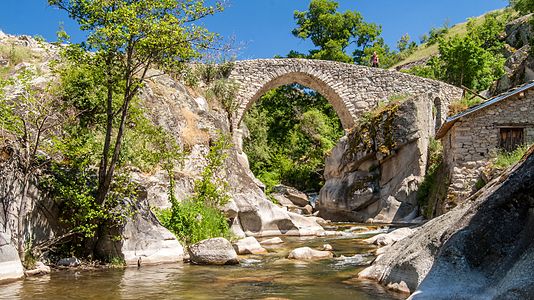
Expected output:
(425, 50)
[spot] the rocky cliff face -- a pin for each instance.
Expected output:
(482, 249)
(194, 123)
(376, 179)
(519, 65)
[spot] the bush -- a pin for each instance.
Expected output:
(466, 102)
(192, 221)
(199, 217)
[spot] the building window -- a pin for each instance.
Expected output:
(511, 138)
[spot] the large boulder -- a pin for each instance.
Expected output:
(482, 249)
(10, 265)
(364, 184)
(143, 241)
(519, 32)
(248, 245)
(386, 239)
(216, 251)
(296, 197)
(307, 253)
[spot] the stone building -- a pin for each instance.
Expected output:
(471, 138)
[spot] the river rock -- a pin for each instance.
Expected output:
(482, 249)
(69, 262)
(10, 265)
(282, 200)
(216, 251)
(272, 241)
(386, 239)
(307, 253)
(40, 269)
(327, 247)
(143, 241)
(248, 245)
(295, 196)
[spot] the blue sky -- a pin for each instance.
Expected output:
(262, 28)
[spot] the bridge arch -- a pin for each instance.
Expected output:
(309, 81)
(351, 89)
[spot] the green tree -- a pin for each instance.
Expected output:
(28, 119)
(474, 60)
(465, 62)
(523, 6)
(333, 32)
(292, 129)
(126, 39)
(403, 42)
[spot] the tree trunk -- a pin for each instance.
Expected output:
(22, 217)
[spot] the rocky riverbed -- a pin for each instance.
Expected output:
(266, 275)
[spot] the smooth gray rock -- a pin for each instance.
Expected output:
(482, 249)
(10, 265)
(248, 245)
(296, 197)
(69, 262)
(272, 241)
(216, 251)
(366, 186)
(386, 239)
(143, 241)
(40, 269)
(307, 253)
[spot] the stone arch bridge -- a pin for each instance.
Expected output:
(351, 89)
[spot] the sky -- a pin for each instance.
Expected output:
(262, 28)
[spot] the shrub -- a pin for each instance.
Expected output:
(193, 221)
(199, 217)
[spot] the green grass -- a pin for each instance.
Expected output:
(506, 159)
(459, 106)
(426, 51)
(15, 54)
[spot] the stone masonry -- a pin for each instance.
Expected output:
(351, 89)
(474, 139)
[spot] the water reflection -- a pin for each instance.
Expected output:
(270, 276)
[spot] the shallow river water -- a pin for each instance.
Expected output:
(269, 276)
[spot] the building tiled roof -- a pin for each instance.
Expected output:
(452, 120)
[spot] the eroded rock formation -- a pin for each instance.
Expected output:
(373, 173)
(482, 249)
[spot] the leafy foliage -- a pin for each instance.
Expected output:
(505, 159)
(432, 186)
(474, 60)
(291, 130)
(126, 39)
(199, 217)
(333, 32)
(523, 6)
(464, 103)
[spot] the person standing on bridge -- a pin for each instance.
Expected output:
(374, 60)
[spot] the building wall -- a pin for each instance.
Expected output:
(474, 140)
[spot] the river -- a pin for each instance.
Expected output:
(269, 276)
